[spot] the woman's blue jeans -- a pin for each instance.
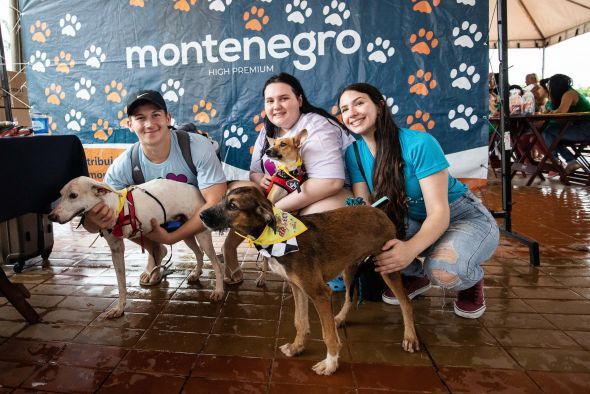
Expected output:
(470, 239)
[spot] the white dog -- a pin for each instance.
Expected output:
(150, 200)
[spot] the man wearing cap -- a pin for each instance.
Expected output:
(160, 156)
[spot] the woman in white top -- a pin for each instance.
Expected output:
(287, 112)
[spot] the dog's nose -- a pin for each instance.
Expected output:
(52, 217)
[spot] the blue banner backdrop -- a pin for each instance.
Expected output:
(210, 59)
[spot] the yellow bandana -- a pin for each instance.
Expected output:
(288, 226)
(122, 198)
(282, 167)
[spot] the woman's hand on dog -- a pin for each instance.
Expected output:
(396, 256)
(265, 181)
(99, 217)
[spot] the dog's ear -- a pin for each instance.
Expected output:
(300, 137)
(265, 210)
(271, 141)
(99, 190)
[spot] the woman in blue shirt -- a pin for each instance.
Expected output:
(436, 216)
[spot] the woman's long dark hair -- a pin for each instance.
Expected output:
(306, 107)
(558, 85)
(388, 172)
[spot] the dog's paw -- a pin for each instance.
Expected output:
(327, 366)
(194, 277)
(216, 295)
(261, 280)
(114, 313)
(290, 349)
(411, 344)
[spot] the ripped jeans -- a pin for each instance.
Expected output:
(470, 239)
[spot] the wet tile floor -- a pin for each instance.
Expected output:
(534, 337)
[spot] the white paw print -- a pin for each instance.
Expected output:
(219, 5)
(380, 51)
(466, 35)
(94, 56)
(336, 13)
(266, 1)
(235, 137)
(39, 61)
(464, 77)
(172, 90)
(297, 11)
(69, 25)
(84, 89)
(391, 104)
(74, 120)
(466, 2)
(462, 117)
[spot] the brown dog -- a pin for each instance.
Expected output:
(288, 177)
(326, 249)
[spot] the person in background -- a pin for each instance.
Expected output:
(565, 99)
(540, 94)
(436, 216)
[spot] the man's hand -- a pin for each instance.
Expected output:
(397, 255)
(99, 217)
(159, 235)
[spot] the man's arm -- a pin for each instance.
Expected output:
(213, 194)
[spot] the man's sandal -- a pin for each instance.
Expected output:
(157, 273)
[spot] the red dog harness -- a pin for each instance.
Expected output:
(289, 181)
(127, 220)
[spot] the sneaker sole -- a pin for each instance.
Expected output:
(469, 315)
(394, 301)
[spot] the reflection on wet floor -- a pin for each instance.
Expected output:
(534, 336)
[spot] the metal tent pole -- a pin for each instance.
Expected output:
(506, 148)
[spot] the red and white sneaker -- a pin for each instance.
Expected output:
(414, 286)
(470, 303)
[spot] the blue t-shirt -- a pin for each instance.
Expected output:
(422, 157)
(209, 170)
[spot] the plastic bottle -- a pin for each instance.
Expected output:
(39, 121)
(528, 101)
(515, 102)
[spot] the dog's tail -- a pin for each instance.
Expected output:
(370, 284)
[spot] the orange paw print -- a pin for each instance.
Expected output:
(64, 62)
(204, 112)
(423, 41)
(39, 31)
(422, 121)
(259, 121)
(136, 3)
(336, 112)
(52, 125)
(54, 94)
(115, 91)
(101, 129)
(183, 5)
(421, 82)
(122, 117)
(424, 5)
(255, 19)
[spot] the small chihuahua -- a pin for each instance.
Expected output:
(289, 176)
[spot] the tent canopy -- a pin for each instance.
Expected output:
(540, 23)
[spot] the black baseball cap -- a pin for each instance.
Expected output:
(143, 97)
